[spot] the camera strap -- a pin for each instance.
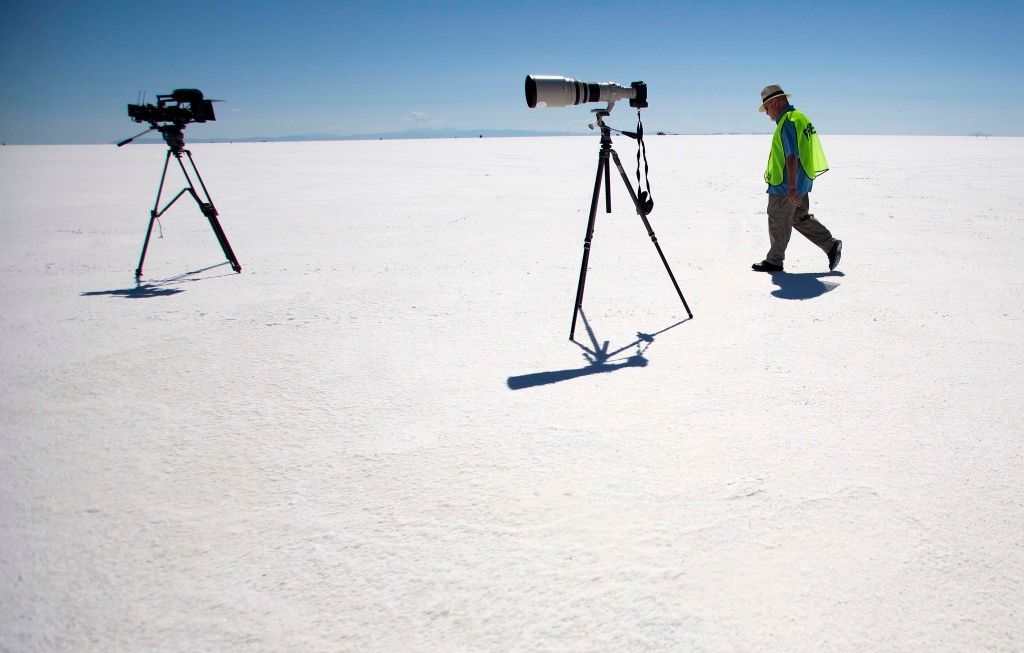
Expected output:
(645, 197)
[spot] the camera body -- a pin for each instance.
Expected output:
(639, 101)
(181, 106)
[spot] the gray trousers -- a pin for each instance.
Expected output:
(783, 218)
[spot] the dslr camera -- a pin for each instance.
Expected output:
(553, 91)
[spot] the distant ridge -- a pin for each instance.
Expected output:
(452, 133)
(407, 134)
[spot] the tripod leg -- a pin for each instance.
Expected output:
(607, 187)
(152, 217)
(650, 232)
(602, 175)
(210, 211)
(211, 214)
(145, 246)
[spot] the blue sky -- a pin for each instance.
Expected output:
(67, 69)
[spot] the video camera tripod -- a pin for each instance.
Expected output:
(643, 207)
(175, 139)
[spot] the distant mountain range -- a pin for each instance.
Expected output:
(425, 133)
(383, 136)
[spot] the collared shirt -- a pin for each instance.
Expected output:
(803, 184)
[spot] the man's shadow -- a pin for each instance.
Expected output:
(806, 285)
(599, 359)
(158, 287)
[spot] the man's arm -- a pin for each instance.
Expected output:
(791, 170)
(789, 146)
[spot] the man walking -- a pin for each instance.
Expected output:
(796, 158)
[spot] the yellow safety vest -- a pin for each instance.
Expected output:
(812, 157)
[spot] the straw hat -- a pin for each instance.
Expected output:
(769, 92)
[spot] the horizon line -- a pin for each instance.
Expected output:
(442, 133)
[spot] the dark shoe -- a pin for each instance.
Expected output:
(765, 266)
(834, 255)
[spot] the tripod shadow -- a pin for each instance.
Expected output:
(158, 287)
(806, 285)
(599, 359)
(141, 291)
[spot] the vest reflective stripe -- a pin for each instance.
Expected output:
(812, 157)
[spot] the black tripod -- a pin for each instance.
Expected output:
(176, 145)
(642, 209)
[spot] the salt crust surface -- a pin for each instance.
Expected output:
(378, 436)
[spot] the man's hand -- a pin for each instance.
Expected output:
(791, 195)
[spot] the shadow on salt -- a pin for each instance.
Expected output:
(157, 287)
(807, 285)
(599, 359)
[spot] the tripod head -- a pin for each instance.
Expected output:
(606, 133)
(174, 136)
(601, 114)
(173, 133)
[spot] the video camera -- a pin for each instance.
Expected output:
(182, 106)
